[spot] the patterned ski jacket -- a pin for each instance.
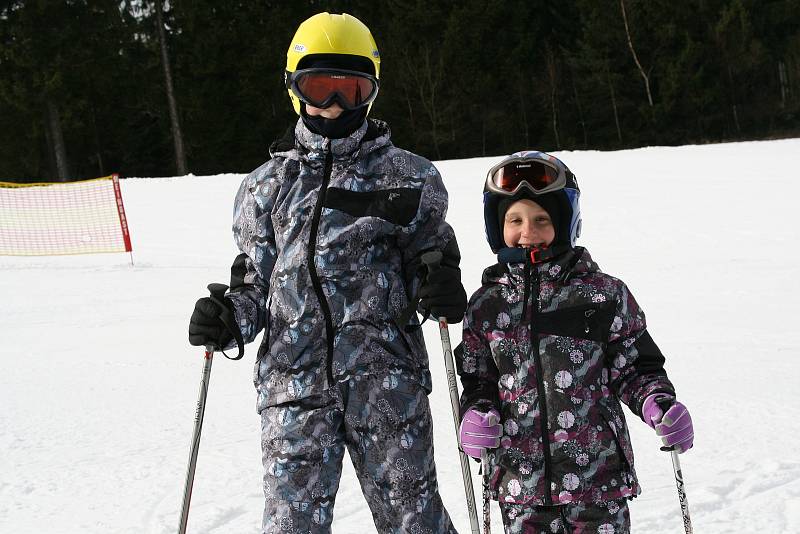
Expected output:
(555, 347)
(331, 232)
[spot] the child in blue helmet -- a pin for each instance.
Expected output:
(551, 345)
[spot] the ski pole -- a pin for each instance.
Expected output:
(217, 294)
(487, 523)
(676, 467)
(432, 259)
(664, 404)
(198, 427)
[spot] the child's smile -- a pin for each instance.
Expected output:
(527, 225)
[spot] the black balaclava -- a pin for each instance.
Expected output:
(350, 120)
(554, 204)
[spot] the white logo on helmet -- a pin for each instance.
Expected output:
(299, 47)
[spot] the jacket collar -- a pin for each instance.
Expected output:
(371, 135)
(572, 262)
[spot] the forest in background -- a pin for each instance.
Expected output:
(159, 88)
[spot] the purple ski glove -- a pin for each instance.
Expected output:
(479, 431)
(674, 426)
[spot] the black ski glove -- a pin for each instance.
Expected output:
(442, 294)
(207, 325)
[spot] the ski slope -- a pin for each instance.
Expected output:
(98, 384)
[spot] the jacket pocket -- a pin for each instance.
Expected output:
(591, 321)
(398, 206)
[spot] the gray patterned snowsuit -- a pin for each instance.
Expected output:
(554, 347)
(331, 232)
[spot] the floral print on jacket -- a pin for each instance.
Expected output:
(555, 347)
(330, 234)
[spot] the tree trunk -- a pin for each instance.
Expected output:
(523, 108)
(428, 77)
(613, 103)
(580, 112)
(411, 117)
(177, 135)
(552, 77)
(56, 140)
(97, 150)
(52, 168)
(733, 101)
(784, 83)
(633, 52)
(483, 135)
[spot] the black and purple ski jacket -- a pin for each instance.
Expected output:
(555, 347)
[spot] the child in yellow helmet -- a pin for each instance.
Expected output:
(331, 232)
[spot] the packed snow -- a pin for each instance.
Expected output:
(99, 384)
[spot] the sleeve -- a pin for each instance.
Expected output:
(475, 365)
(428, 230)
(635, 361)
(255, 237)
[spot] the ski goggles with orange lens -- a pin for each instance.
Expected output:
(540, 176)
(321, 87)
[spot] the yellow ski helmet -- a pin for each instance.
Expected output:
(327, 33)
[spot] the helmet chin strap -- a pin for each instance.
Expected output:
(531, 255)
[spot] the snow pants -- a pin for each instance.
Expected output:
(385, 424)
(604, 518)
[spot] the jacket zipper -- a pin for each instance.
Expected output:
(312, 267)
(537, 359)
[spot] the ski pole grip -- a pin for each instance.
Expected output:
(665, 403)
(217, 292)
(432, 259)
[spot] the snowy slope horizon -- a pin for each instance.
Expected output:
(99, 385)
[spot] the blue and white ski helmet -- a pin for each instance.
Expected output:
(562, 192)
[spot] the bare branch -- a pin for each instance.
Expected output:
(633, 52)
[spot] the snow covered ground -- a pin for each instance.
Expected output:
(98, 384)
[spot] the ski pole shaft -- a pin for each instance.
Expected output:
(676, 467)
(432, 259)
(466, 473)
(198, 427)
(487, 523)
(664, 404)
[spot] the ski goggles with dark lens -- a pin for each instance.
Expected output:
(511, 175)
(321, 87)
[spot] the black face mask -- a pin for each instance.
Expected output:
(342, 126)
